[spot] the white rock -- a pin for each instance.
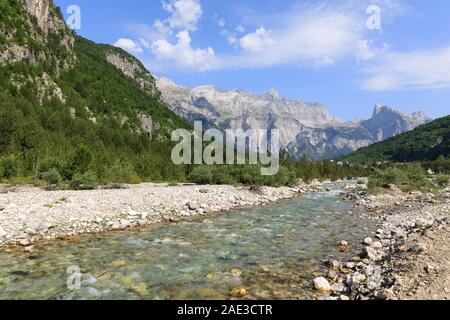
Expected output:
(338, 287)
(368, 241)
(377, 245)
(322, 285)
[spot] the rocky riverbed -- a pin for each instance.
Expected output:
(29, 214)
(407, 258)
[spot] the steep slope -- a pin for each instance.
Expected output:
(305, 128)
(59, 91)
(426, 142)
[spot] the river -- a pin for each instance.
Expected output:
(271, 251)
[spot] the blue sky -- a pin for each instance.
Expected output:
(348, 54)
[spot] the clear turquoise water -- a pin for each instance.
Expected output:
(276, 247)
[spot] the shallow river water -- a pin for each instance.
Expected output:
(270, 251)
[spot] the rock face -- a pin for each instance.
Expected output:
(40, 9)
(132, 68)
(305, 128)
(387, 123)
(48, 31)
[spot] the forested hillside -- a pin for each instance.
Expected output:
(425, 143)
(70, 107)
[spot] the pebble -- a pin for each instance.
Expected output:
(333, 264)
(377, 245)
(338, 288)
(368, 241)
(322, 285)
(343, 243)
(239, 293)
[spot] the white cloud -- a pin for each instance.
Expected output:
(232, 40)
(240, 28)
(221, 22)
(314, 36)
(256, 41)
(185, 14)
(162, 28)
(129, 45)
(144, 43)
(364, 51)
(429, 69)
(182, 53)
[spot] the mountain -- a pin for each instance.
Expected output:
(427, 142)
(305, 128)
(60, 91)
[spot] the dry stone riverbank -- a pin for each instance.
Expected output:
(407, 258)
(29, 214)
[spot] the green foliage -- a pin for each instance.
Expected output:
(81, 159)
(440, 165)
(52, 177)
(122, 172)
(201, 175)
(442, 180)
(84, 181)
(327, 170)
(50, 164)
(41, 132)
(10, 167)
(407, 177)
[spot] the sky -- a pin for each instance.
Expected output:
(345, 54)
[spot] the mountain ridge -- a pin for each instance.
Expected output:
(306, 128)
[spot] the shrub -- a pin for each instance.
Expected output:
(222, 175)
(121, 172)
(81, 159)
(201, 175)
(52, 177)
(9, 167)
(416, 174)
(285, 177)
(84, 181)
(408, 177)
(443, 180)
(52, 164)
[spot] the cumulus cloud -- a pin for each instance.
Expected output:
(182, 53)
(256, 41)
(427, 69)
(185, 14)
(129, 45)
(317, 36)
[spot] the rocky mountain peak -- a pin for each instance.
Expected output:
(380, 108)
(273, 94)
(304, 127)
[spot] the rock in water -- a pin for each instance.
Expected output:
(239, 293)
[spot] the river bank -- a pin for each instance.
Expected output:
(408, 258)
(28, 214)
